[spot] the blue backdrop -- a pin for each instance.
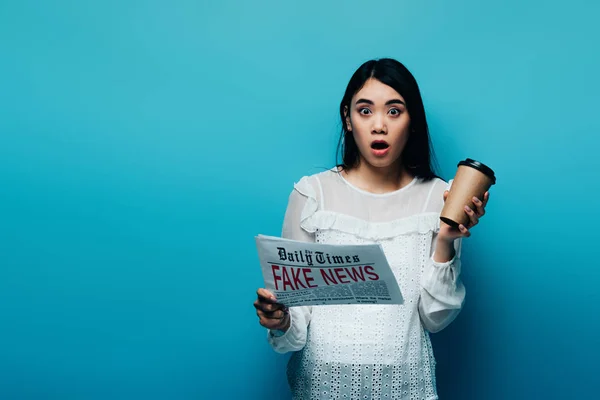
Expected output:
(143, 144)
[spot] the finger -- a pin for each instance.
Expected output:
(463, 229)
(271, 323)
(472, 216)
(268, 307)
(265, 295)
(486, 197)
(446, 195)
(277, 314)
(479, 205)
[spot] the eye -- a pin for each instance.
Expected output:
(364, 111)
(394, 112)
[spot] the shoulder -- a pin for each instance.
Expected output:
(312, 185)
(437, 185)
(435, 189)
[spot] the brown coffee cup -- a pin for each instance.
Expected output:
(472, 179)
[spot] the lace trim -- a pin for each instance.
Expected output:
(311, 219)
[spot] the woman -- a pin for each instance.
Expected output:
(385, 191)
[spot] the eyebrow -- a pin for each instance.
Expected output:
(387, 103)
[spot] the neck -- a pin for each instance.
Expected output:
(379, 180)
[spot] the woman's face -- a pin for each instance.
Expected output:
(380, 123)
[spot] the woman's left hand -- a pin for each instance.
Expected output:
(449, 233)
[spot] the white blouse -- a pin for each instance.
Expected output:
(371, 351)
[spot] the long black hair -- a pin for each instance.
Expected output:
(417, 157)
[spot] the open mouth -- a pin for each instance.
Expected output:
(379, 145)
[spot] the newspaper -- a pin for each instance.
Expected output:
(302, 274)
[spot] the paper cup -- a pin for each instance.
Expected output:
(472, 179)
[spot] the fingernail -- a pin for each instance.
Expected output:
(467, 208)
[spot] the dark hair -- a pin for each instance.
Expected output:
(418, 156)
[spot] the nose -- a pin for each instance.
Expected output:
(379, 125)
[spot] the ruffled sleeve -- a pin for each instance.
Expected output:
(302, 205)
(311, 204)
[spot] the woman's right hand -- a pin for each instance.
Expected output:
(271, 314)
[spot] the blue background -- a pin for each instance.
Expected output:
(143, 144)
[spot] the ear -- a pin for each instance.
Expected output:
(348, 121)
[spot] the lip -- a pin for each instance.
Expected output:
(380, 152)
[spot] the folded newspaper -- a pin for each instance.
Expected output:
(302, 274)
